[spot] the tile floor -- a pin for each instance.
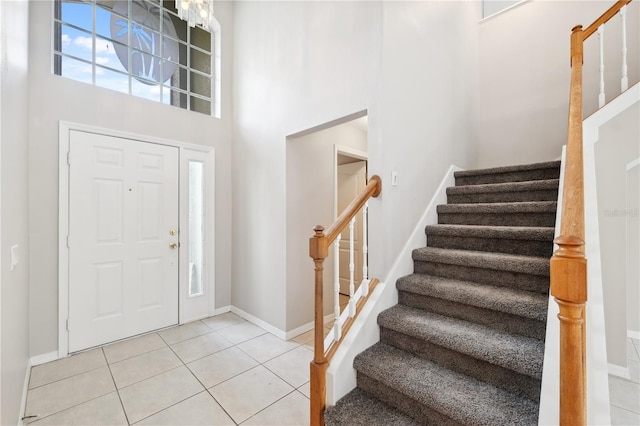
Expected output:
(219, 371)
(624, 395)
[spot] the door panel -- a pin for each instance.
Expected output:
(352, 178)
(123, 274)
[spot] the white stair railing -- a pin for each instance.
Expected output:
(357, 290)
(624, 80)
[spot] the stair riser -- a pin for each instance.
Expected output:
(403, 403)
(519, 384)
(497, 320)
(503, 197)
(520, 281)
(498, 219)
(521, 176)
(524, 247)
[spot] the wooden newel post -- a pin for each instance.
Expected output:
(318, 250)
(568, 286)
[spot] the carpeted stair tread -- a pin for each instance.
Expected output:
(486, 260)
(532, 185)
(499, 208)
(515, 302)
(537, 171)
(516, 353)
(460, 397)
(532, 233)
(357, 408)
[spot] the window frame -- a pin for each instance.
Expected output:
(184, 95)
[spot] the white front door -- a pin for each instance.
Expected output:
(352, 178)
(123, 238)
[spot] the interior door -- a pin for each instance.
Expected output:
(352, 178)
(123, 238)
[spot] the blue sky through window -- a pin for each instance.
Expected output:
(109, 72)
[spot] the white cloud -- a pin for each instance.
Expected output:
(101, 60)
(102, 46)
(66, 40)
(82, 41)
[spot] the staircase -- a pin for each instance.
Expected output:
(465, 343)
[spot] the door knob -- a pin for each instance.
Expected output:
(173, 246)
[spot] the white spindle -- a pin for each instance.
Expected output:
(352, 269)
(365, 250)
(624, 82)
(337, 327)
(601, 97)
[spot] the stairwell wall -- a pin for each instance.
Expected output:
(297, 65)
(14, 297)
(524, 76)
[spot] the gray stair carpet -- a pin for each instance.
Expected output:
(465, 344)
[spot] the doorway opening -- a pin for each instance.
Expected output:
(314, 157)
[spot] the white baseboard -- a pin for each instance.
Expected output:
(25, 389)
(284, 335)
(43, 358)
(223, 310)
(619, 371)
(633, 334)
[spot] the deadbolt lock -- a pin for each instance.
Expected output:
(172, 232)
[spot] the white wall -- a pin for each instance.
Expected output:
(426, 117)
(310, 202)
(617, 146)
(297, 65)
(524, 76)
(54, 98)
(14, 226)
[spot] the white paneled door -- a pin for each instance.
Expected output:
(123, 238)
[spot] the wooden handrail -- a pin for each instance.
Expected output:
(373, 189)
(319, 251)
(568, 263)
(610, 13)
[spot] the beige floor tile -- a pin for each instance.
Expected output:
(200, 409)
(141, 367)
(266, 347)
(66, 367)
(150, 396)
(201, 346)
(293, 366)
(623, 417)
(57, 396)
(304, 338)
(293, 410)
(624, 394)
(241, 332)
(223, 320)
(250, 392)
(221, 366)
(183, 332)
(105, 410)
(133, 347)
(305, 390)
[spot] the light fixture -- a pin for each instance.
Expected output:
(196, 12)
